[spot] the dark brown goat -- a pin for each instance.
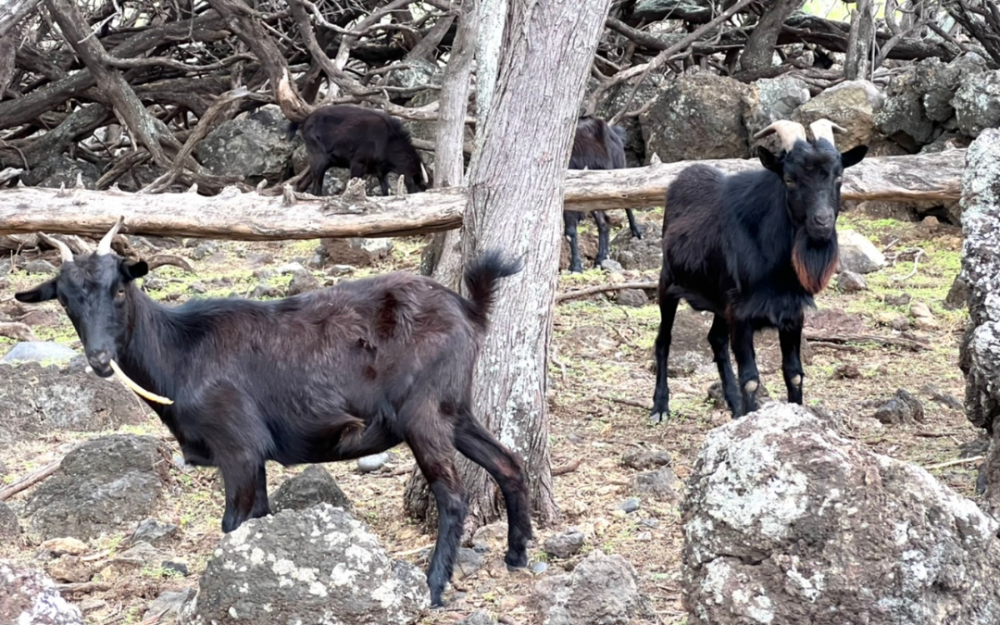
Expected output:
(596, 145)
(365, 141)
(753, 248)
(330, 375)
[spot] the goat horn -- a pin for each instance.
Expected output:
(824, 129)
(788, 131)
(104, 247)
(138, 390)
(64, 251)
(423, 172)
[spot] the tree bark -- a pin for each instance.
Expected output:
(255, 217)
(544, 62)
(15, 11)
(759, 51)
(858, 65)
(492, 20)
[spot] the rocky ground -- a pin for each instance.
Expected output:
(153, 526)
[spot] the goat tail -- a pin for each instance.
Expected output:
(293, 127)
(481, 278)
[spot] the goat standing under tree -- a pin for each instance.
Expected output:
(753, 248)
(365, 141)
(333, 374)
(596, 145)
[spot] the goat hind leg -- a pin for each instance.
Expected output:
(632, 226)
(746, 362)
(603, 237)
(480, 446)
(570, 221)
(668, 311)
(791, 362)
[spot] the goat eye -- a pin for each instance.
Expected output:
(789, 182)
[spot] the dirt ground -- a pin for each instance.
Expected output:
(601, 387)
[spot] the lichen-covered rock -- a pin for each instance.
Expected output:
(28, 597)
(697, 116)
(773, 99)
(9, 527)
(852, 105)
(315, 566)
(254, 146)
(36, 399)
(601, 590)
(977, 102)
(106, 484)
(786, 522)
(980, 352)
(60, 170)
(313, 486)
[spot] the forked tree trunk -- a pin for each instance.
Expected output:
(858, 65)
(759, 51)
(515, 185)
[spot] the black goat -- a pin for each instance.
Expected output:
(366, 141)
(597, 145)
(753, 248)
(330, 375)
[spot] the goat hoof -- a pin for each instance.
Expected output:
(516, 561)
(659, 417)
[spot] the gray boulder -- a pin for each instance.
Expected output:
(106, 484)
(30, 598)
(169, 605)
(787, 522)
(857, 253)
(770, 100)
(35, 400)
(313, 486)
(60, 170)
(315, 566)
(253, 146)
(601, 590)
(44, 352)
(638, 254)
(852, 105)
(9, 527)
(977, 102)
(697, 116)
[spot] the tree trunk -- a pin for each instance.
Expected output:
(858, 65)
(257, 217)
(543, 66)
(13, 12)
(759, 51)
(492, 20)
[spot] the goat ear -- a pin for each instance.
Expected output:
(853, 156)
(770, 161)
(133, 269)
(42, 293)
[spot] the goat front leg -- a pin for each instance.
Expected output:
(570, 221)
(603, 237)
(668, 311)
(746, 362)
(718, 338)
(791, 361)
(239, 476)
(632, 226)
(261, 506)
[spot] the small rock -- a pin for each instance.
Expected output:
(903, 408)
(313, 486)
(264, 274)
(611, 266)
(847, 372)
(539, 567)
(942, 398)
(154, 532)
(40, 267)
(180, 568)
(63, 546)
(316, 261)
(920, 309)
(929, 225)
(290, 268)
(258, 260)
(857, 253)
(901, 299)
(643, 460)
(635, 298)
(629, 505)
(370, 464)
(262, 291)
(685, 364)
(141, 553)
(923, 319)
(204, 250)
(900, 323)
(340, 270)
(39, 351)
(16, 331)
(468, 563)
(659, 484)
(564, 545)
(479, 617)
(958, 294)
(30, 597)
(9, 528)
(70, 569)
(169, 605)
(850, 282)
(359, 252)
(602, 589)
(653, 523)
(302, 282)
(92, 605)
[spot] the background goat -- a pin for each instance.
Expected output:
(329, 375)
(597, 145)
(366, 141)
(753, 248)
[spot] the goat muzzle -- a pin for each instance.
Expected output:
(138, 390)
(788, 131)
(824, 129)
(104, 247)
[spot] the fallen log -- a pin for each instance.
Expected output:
(254, 216)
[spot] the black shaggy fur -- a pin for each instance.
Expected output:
(597, 145)
(366, 141)
(330, 375)
(753, 248)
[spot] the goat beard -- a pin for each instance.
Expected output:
(815, 262)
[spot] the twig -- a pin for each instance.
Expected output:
(866, 338)
(842, 348)
(562, 297)
(29, 480)
(410, 552)
(629, 402)
(916, 260)
(396, 472)
(83, 587)
(928, 434)
(567, 468)
(951, 463)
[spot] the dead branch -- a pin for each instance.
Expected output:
(29, 480)
(567, 468)
(604, 288)
(952, 463)
(865, 338)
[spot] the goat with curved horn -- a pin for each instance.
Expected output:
(104, 247)
(64, 251)
(824, 129)
(789, 132)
